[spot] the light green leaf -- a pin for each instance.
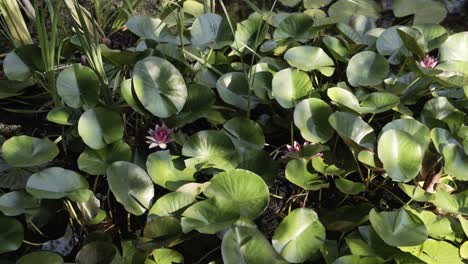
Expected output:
(162, 169)
(299, 236)
(41, 257)
(95, 162)
(453, 49)
(367, 68)
(290, 86)
(424, 11)
(307, 58)
(211, 31)
(298, 173)
(11, 234)
(99, 127)
(233, 88)
(349, 187)
(131, 186)
(345, 9)
(311, 117)
(353, 130)
(78, 86)
(26, 151)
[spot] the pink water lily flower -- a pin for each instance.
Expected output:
(159, 136)
(429, 62)
(296, 147)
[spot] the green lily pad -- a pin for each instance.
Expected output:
(439, 110)
(17, 203)
(398, 228)
(26, 151)
(336, 48)
(210, 148)
(172, 203)
(99, 127)
(246, 244)
(262, 75)
(424, 11)
(163, 171)
(367, 68)
(311, 117)
(355, 259)
(162, 226)
(418, 131)
(95, 162)
(210, 216)
(246, 36)
(353, 130)
(41, 257)
(11, 234)
(290, 86)
(344, 98)
(244, 188)
(299, 236)
(20, 64)
(401, 155)
(434, 251)
(60, 115)
(159, 86)
(391, 44)
(131, 186)
(379, 102)
(349, 187)
(233, 88)
(245, 132)
(453, 49)
(307, 58)
(456, 161)
(97, 252)
(309, 4)
(128, 94)
(453, 203)
(165, 255)
(78, 86)
(298, 173)
(434, 35)
(345, 9)
(211, 31)
(56, 183)
(297, 26)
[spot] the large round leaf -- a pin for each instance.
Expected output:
(210, 216)
(309, 4)
(97, 252)
(131, 186)
(211, 31)
(353, 130)
(159, 86)
(456, 161)
(26, 151)
(41, 257)
(311, 117)
(345, 9)
(290, 86)
(247, 37)
(11, 234)
(162, 169)
(390, 43)
(262, 75)
(454, 48)
(171, 203)
(298, 173)
(162, 226)
(453, 203)
(367, 68)
(299, 236)
(95, 162)
(398, 228)
(242, 187)
(128, 94)
(78, 85)
(344, 99)
(233, 88)
(210, 148)
(379, 102)
(309, 58)
(349, 187)
(297, 26)
(56, 183)
(400, 154)
(246, 244)
(245, 133)
(439, 110)
(419, 132)
(17, 202)
(99, 127)
(424, 11)
(165, 255)
(20, 64)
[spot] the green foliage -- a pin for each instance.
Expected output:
(314, 136)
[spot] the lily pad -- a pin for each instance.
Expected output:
(298, 173)
(245, 133)
(424, 11)
(131, 186)
(311, 117)
(211, 31)
(26, 151)
(163, 171)
(345, 9)
(233, 88)
(400, 154)
(172, 203)
(41, 257)
(290, 86)
(246, 244)
(367, 68)
(17, 203)
(56, 183)
(11, 234)
(299, 236)
(309, 58)
(95, 162)
(297, 26)
(453, 48)
(244, 188)
(159, 86)
(353, 130)
(398, 228)
(78, 86)
(210, 148)
(349, 187)
(99, 127)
